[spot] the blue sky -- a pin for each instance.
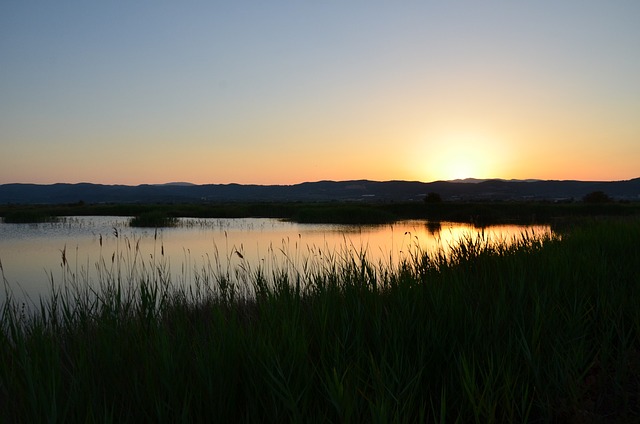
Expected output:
(284, 92)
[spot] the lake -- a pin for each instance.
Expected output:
(85, 249)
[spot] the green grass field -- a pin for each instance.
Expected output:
(544, 330)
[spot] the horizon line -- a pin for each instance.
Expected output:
(457, 180)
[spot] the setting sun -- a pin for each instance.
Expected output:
(459, 156)
(463, 169)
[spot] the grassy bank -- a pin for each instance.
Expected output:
(546, 330)
(333, 212)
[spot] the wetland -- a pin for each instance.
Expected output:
(264, 320)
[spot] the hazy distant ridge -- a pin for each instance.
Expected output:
(357, 190)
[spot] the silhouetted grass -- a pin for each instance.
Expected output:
(542, 330)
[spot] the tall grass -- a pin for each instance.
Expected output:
(542, 330)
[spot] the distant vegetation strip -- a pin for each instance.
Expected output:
(543, 330)
(337, 212)
(27, 215)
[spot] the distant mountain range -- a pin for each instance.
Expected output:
(358, 190)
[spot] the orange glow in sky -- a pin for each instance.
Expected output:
(281, 93)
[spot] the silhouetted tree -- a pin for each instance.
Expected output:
(433, 198)
(596, 197)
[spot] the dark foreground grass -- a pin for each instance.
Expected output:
(544, 331)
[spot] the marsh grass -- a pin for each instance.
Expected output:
(28, 216)
(545, 329)
(153, 219)
(343, 214)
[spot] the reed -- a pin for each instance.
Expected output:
(546, 329)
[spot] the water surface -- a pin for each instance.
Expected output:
(34, 256)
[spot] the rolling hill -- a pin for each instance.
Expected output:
(357, 190)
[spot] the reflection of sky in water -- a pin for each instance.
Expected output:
(31, 253)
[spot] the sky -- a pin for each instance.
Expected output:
(282, 92)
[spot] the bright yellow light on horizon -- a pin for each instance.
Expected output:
(462, 155)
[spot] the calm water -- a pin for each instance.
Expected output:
(32, 255)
